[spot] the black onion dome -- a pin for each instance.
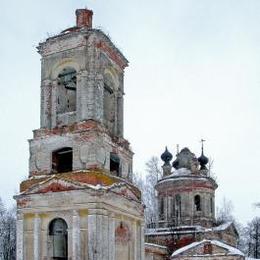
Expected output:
(166, 156)
(203, 160)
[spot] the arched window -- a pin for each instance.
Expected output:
(109, 102)
(178, 208)
(66, 90)
(211, 205)
(62, 160)
(161, 208)
(197, 203)
(58, 234)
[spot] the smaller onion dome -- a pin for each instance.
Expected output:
(166, 156)
(203, 160)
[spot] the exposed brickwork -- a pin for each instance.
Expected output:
(84, 18)
(112, 54)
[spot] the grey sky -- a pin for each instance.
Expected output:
(194, 72)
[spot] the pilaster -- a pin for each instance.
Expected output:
(98, 236)
(53, 104)
(36, 237)
(111, 231)
(75, 235)
(19, 237)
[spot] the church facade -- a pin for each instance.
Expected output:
(79, 201)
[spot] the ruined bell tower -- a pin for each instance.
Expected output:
(79, 201)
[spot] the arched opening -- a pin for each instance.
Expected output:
(109, 102)
(66, 90)
(178, 208)
(62, 160)
(211, 206)
(58, 234)
(197, 203)
(115, 164)
(161, 209)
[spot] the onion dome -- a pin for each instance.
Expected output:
(203, 160)
(166, 156)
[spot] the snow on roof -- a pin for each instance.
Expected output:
(231, 250)
(186, 229)
(155, 245)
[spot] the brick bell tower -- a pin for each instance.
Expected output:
(79, 201)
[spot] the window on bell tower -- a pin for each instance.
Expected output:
(197, 203)
(66, 90)
(109, 102)
(62, 160)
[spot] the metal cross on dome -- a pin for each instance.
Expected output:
(202, 143)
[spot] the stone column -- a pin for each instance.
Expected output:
(120, 114)
(142, 241)
(36, 237)
(98, 236)
(82, 95)
(75, 235)
(135, 237)
(45, 103)
(19, 237)
(54, 103)
(111, 232)
(99, 98)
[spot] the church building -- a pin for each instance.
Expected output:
(79, 201)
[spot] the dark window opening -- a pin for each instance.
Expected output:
(66, 91)
(178, 208)
(114, 164)
(211, 205)
(162, 208)
(197, 203)
(62, 160)
(109, 102)
(58, 233)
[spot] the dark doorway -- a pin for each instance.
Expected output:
(58, 232)
(62, 160)
(114, 164)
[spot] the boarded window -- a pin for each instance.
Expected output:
(207, 249)
(66, 90)
(197, 203)
(62, 160)
(58, 234)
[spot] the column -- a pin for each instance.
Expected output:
(75, 235)
(36, 236)
(111, 232)
(120, 115)
(45, 103)
(142, 241)
(19, 237)
(54, 103)
(98, 236)
(136, 239)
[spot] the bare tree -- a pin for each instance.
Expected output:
(253, 238)
(146, 185)
(224, 213)
(7, 233)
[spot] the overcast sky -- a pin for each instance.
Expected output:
(194, 73)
